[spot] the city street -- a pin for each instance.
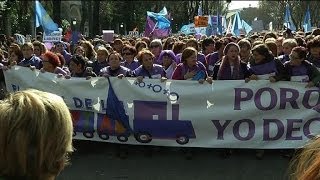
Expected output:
(98, 161)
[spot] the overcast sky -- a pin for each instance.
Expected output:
(242, 4)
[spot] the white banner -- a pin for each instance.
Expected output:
(226, 114)
(55, 36)
(133, 34)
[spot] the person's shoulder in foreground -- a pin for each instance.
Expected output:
(35, 135)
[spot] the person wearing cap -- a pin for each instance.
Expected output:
(29, 59)
(61, 48)
(300, 70)
(264, 66)
(51, 63)
(231, 67)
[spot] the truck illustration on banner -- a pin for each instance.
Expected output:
(150, 122)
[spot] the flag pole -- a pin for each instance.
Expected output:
(35, 19)
(154, 28)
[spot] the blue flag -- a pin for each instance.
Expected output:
(162, 22)
(115, 109)
(151, 30)
(219, 24)
(307, 21)
(237, 25)
(288, 22)
(43, 19)
(246, 27)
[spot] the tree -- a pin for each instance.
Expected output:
(56, 5)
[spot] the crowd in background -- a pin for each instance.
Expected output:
(284, 56)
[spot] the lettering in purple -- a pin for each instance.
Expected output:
(273, 99)
(236, 129)
(175, 112)
(306, 127)
(88, 103)
(292, 100)
(77, 102)
(238, 96)
(103, 105)
(266, 129)
(220, 128)
(246, 94)
(306, 98)
(291, 129)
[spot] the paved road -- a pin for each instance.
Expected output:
(98, 161)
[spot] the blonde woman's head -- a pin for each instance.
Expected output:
(35, 135)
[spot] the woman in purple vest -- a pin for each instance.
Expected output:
(230, 67)
(265, 67)
(301, 70)
(115, 69)
(190, 68)
(148, 69)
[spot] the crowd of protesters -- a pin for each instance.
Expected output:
(273, 56)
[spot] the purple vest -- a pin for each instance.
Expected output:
(156, 73)
(299, 73)
(213, 58)
(265, 68)
(299, 70)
